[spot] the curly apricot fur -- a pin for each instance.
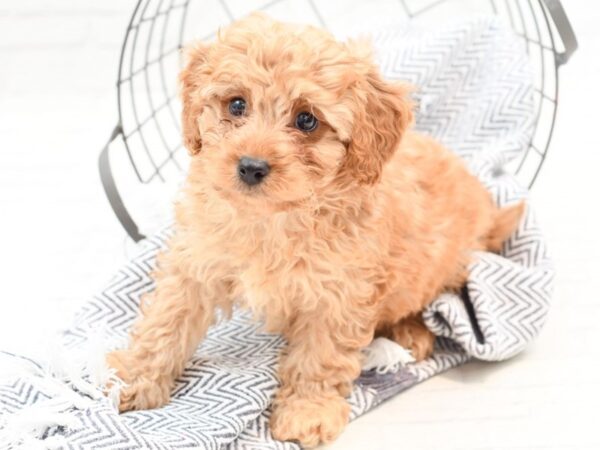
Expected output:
(355, 230)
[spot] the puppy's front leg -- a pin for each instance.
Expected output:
(174, 319)
(316, 371)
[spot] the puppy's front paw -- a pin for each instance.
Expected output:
(143, 393)
(140, 391)
(309, 421)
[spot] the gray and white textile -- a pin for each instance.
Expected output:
(475, 95)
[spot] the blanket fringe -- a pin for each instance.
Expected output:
(74, 382)
(385, 356)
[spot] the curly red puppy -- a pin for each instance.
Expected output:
(309, 202)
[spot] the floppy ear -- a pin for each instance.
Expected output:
(384, 112)
(192, 77)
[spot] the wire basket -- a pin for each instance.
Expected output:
(148, 130)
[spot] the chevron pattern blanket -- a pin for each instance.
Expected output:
(476, 96)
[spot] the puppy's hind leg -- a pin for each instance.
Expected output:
(412, 334)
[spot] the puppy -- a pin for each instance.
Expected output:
(311, 203)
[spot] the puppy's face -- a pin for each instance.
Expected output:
(276, 116)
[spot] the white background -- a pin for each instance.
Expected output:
(59, 240)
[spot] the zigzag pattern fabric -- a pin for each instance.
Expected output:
(476, 96)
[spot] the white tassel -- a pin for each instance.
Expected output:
(87, 371)
(27, 427)
(72, 380)
(385, 356)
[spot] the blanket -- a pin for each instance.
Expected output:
(476, 96)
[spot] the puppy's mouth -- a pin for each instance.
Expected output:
(239, 190)
(257, 199)
(240, 194)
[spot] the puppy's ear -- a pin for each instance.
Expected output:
(383, 113)
(192, 77)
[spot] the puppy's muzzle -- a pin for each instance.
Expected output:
(253, 171)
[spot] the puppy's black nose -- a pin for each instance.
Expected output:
(252, 171)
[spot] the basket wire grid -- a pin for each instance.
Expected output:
(148, 106)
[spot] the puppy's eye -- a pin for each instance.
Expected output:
(237, 106)
(305, 121)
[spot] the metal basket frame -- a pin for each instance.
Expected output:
(555, 24)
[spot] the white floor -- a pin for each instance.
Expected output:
(59, 240)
